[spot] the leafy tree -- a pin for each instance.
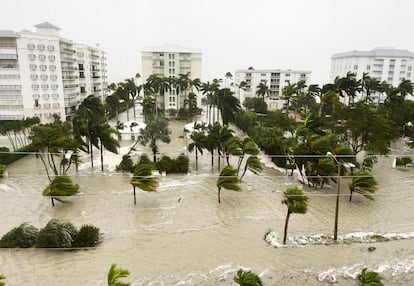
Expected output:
(115, 273)
(56, 234)
(156, 129)
(22, 236)
(228, 180)
(143, 178)
(369, 278)
(59, 187)
(88, 236)
(126, 164)
(296, 202)
(247, 278)
(363, 183)
(255, 104)
(262, 90)
(228, 105)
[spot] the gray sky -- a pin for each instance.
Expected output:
(232, 34)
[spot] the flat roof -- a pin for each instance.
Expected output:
(378, 52)
(171, 48)
(8, 34)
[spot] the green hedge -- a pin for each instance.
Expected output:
(7, 158)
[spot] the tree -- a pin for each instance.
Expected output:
(228, 76)
(247, 278)
(61, 186)
(255, 104)
(228, 105)
(296, 202)
(253, 164)
(228, 180)
(209, 90)
(287, 92)
(156, 129)
(158, 85)
(262, 90)
(363, 183)
(143, 178)
(369, 278)
(199, 143)
(115, 273)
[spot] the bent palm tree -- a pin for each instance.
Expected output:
(143, 179)
(228, 180)
(253, 164)
(115, 274)
(247, 278)
(363, 183)
(59, 187)
(296, 202)
(199, 143)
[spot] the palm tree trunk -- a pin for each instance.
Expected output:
(196, 160)
(351, 189)
(90, 150)
(212, 160)
(286, 227)
(101, 156)
(135, 197)
(218, 193)
(53, 201)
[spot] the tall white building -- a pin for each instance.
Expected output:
(42, 74)
(171, 61)
(275, 79)
(385, 64)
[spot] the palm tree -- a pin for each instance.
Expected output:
(228, 105)
(224, 133)
(232, 147)
(369, 278)
(115, 273)
(247, 278)
(287, 92)
(133, 90)
(296, 202)
(143, 179)
(105, 134)
(199, 143)
(227, 180)
(262, 90)
(156, 129)
(213, 131)
(248, 146)
(228, 76)
(209, 90)
(253, 164)
(159, 85)
(242, 86)
(363, 183)
(61, 186)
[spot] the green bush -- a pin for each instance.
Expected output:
(88, 236)
(144, 159)
(23, 236)
(402, 161)
(61, 186)
(182, 164)
(57, 234)
(8, 158)
(126, 164)
(2, 170)
(166, 164)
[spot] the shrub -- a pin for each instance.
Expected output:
(56, 234)
(144, 159)
(2, 170)
(88, 236)
(23, 236)
(61, 186)
(166, 164)
(126, 164)
(182, 164)
(402, 161)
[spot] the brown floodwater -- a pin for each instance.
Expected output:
(180, 235)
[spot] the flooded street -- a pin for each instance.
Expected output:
(182, 236)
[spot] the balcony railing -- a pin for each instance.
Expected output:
(70, 85)
(10, 87)
(9, 66)
(69, 68)
(7, 45)
(67, 50)
(70, 77)
(8, 56)
(67, 59)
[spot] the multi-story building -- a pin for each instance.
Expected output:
(385, 64)
(171, 61)
(42, 74)
(276, 80)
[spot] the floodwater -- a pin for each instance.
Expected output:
(182, 236)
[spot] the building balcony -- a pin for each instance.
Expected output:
(97, 90)
(8, 45)
(9, 66)
(96, 77)
(68, 50)
(68, 86)
(8, 56)
(70, 77)
(67, 59)
(10, 87)
(69, 68)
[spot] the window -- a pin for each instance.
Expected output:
(80, 54)
(43, 67)
(56, 104)
(36, 96)
(54, 86)
(37, 103)
(171, 56)
(262, 74)
(32, 56)
(82, 89)
(48, 114)
(50, 48)
(368, 67)
(51, 57)
(45, 96)
(81, 75)
(43, 76)
(408, 74)
(81, 68)
(409, 68)
(52, 67)
(35, 86)
(355, 67)
(31, 46)
(34, 76)
(41, 47)
(42, 57)
(288, 74)
(45, 86)
(55, 95)
(46, 105)
(53, 77)
(33, 67)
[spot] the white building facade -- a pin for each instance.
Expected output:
(275, 79)
(385, 64)
(171, 61)
(42, 74)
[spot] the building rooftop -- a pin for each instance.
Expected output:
(378, 52)
(8, 34)
(170, 48)
(47, 25)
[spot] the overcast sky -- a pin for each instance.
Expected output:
(232, 34)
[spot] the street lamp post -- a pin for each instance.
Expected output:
(338, 178)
